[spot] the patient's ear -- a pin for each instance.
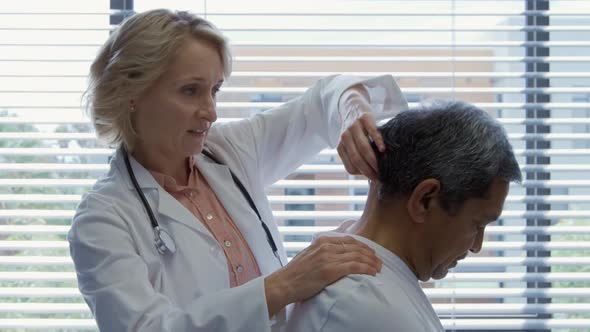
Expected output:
(422, 198)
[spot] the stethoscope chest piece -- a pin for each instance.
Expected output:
(164, 242)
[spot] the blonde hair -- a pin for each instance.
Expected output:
(132, 59)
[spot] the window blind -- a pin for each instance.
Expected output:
(527, 62)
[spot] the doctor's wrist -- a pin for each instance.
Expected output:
(277, 292)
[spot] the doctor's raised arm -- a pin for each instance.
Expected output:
(179, 235)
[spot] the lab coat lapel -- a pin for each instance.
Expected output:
(166, 205)
(234, 202)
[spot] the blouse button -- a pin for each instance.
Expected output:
(209, 216)
(240, 269)
(228, 243)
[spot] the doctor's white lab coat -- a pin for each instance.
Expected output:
(130, 287)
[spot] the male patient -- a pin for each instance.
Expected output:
(442, 180)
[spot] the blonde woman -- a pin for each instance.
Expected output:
(179, 235)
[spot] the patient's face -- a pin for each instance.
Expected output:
(452, 237)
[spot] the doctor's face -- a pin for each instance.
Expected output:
(175, 113)
(450, 238)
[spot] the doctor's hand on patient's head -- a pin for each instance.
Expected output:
(359, 127)
(325, 261)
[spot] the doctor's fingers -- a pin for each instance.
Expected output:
(369, 124)
(356, 150)
(348, 166)
(354, 262)
(346, 239)
(342, 248)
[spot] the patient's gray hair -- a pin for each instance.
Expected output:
(454, 142)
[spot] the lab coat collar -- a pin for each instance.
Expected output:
(143, 176)
(157, 196)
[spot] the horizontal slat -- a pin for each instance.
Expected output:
(39, 198)
(510, 309)
(320, 199)
(451, 324)
(523, 261)
(363, 183)
(312, 215)
(74, 324)
(500, 293)
(451, 277)
(323, 169)
(397, 74)
(75, 120)
(47, 136)
(310, 230)
(294, 199)
(45, 308)
(331, 59)
(34, 229)
(417, 74)
(490, 230)
(310, 28)
(54, 183)
(22, 245)
(325, 152)
(78, 29)
(311, 43)
(261, 106)
(281, 184)
(472, 28)
(66, 261)
(323, 28)
(32, 292)
(388, 44)
(36, 260)
(491, 245)
(344, 215)
(410, 59)
(58, 167)
(555, 183)
(296, 91)
(505, 324)
(304, 169)
(36, 120)
(349, 11)
(38, 276)
(456, 308)
(55, 152)
(517, 276)
(92, 136)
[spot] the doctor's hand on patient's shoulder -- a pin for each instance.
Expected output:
(325, 261)
(358, 128)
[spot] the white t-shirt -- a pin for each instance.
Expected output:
(391, 301)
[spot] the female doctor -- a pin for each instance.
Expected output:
(179, 235)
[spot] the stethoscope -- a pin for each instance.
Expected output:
(162, 240)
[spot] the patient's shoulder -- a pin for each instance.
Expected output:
(347, 305)
(354, 303)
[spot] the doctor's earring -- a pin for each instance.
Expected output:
(132, 106)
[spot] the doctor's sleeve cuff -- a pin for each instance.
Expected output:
(385, 97)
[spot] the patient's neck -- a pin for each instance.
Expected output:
(387, 225)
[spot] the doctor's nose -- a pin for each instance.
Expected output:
(208, 109)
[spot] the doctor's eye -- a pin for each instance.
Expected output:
(215, 91)
(189, 90)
